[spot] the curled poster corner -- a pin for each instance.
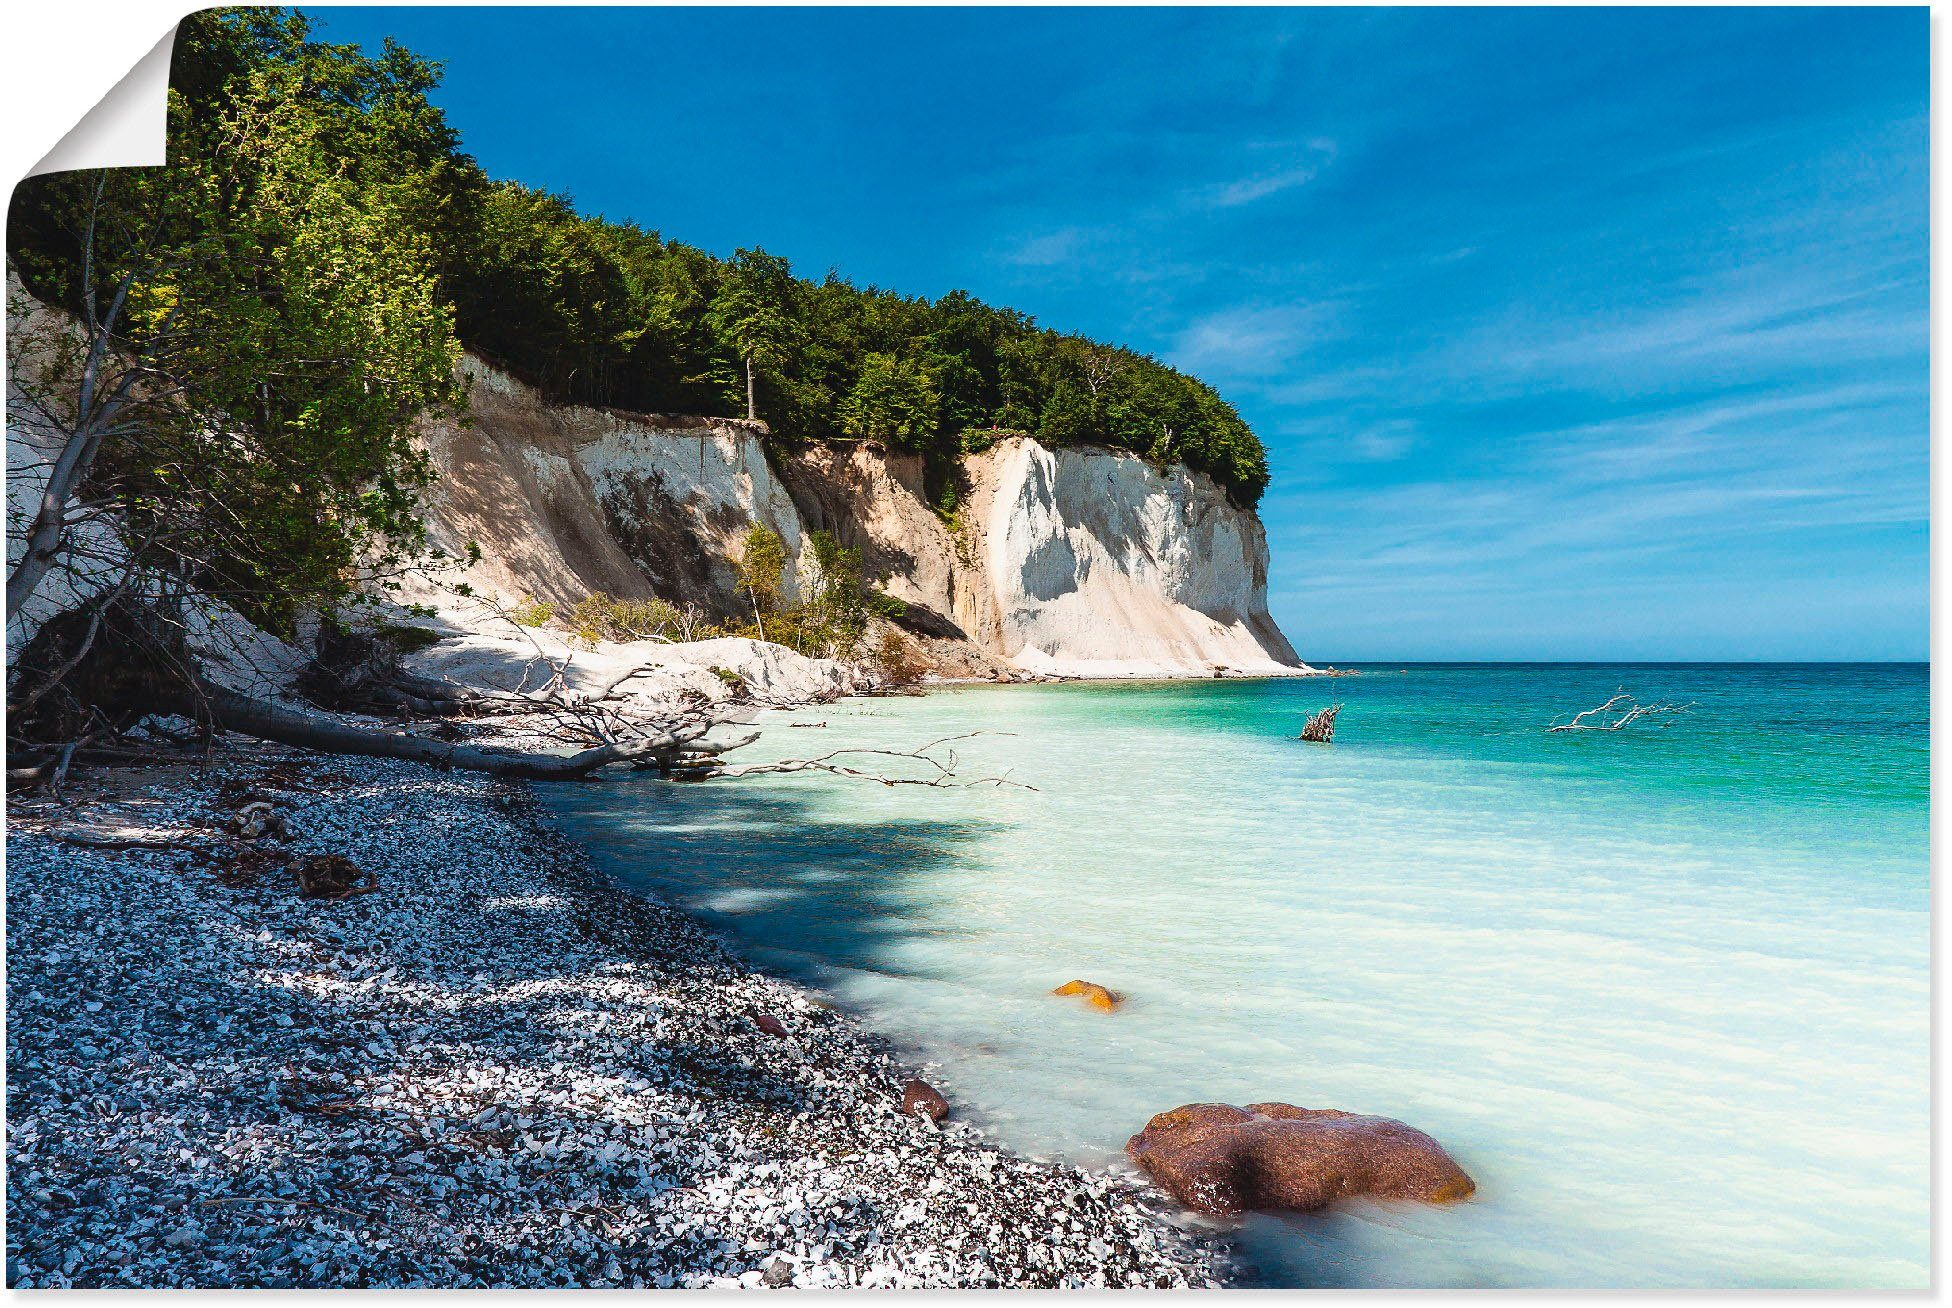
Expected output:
(127, 128)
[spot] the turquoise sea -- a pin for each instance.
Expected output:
(1664, 992)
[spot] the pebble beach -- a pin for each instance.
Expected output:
(486, 1066)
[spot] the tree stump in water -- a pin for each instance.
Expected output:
(1321, 727)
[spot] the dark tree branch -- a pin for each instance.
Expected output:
(267, 721)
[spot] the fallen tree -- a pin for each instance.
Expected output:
(669, 749)
(92, 674)
(942, 771)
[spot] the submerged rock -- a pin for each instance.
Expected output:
(1093, 993)
(918, 1096)
(1217, 1158)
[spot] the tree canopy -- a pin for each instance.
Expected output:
(269, 309)
(593, 310)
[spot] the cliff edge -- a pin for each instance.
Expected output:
(1068, 562)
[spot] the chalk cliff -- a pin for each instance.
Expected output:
(1072, 562)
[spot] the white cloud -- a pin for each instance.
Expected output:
(1250, 340)
(1047, 250)
(1260, 185)
(1383, 442)
(1249, 189)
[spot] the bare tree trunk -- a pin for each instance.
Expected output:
(752, 402)
(48, 534)
(94, 419)
(43, 545)
(268, 721)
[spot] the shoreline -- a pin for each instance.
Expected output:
(496, 1067)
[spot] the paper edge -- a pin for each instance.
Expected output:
(128, 127)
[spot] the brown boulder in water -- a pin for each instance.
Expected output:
(919, 1096)
(1217, 1158)
(1094, 994)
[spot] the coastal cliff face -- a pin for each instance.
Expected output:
(1070, 562)
(1101, 565)
(565, 500)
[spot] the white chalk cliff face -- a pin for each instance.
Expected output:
(1102, 566)
(1069, 562)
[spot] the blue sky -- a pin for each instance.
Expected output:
(1572, 334)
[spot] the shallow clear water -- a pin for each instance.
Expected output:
(1663, 992)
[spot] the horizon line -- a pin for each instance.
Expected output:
(1616, 663)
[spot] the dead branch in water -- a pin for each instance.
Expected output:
(944, 776)
(1624, 711)
(1321, 727)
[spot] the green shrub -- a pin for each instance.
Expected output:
(533, 612)
(601, 617)
(837, 603)
(898, 659)
(760, 565)
(977, 439)
(407, 638)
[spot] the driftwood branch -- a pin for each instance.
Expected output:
(942, 775)
(1320, 727)
(1623, 710)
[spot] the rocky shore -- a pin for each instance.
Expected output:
(490, 1068)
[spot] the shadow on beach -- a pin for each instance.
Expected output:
(801, 891)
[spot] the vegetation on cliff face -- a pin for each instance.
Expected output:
(836, 604)
(830, 618)
(296, 162)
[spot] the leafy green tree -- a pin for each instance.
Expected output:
(261, 323)
(1022, 382)
(545, 292)
(753, 315)
(760, 565)
(1071, 417)
(843, 602)
(894, 401)
(674, 363)
(962, 399)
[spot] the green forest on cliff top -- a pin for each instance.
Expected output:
(586, 309)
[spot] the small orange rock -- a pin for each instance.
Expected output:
(771, 1025)
(919, 1096)
(1094, 994)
